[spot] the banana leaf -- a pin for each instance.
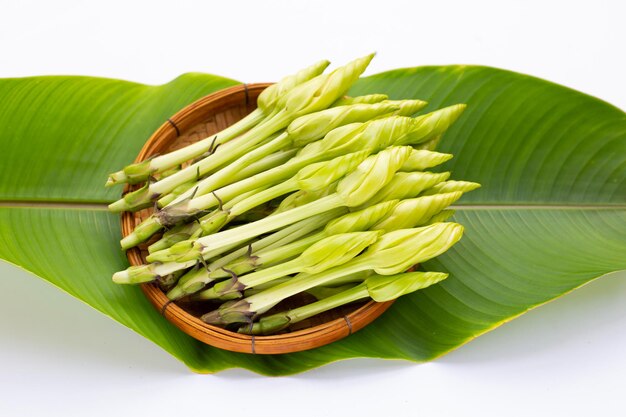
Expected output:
(549, 218)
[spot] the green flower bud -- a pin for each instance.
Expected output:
(385, 288)
(268, 97)
(420, 160)
(440, 217)
(314, 126)
(416, 211)
(397, 251)
(321, 174)
(372, 136)
(450, 186)
(360, 220)
(186, 250)
(429, 145)
(335, 250)
(135, 275)
(339, 141)
(214, 222)
(134, 200)
(141, 233)
(174, 235)
(138, 172)
(371, 175)
(320, 92)
(430, 125)
(407, 107)
(407, 185)
(382, 133)
(302, 197)
(367, 99)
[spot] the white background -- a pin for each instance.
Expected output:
(59, 357)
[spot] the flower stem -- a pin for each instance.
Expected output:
(276, 322)
(223, 155)
(172, 159)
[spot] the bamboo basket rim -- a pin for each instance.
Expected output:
(294, 341)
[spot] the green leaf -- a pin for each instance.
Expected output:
(549, 217)
(61, 135)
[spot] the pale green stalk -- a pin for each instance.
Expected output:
(393, 253)
(258, 288)
(371, 175)
(300, 132)
(388, 216)
(171, 171)
(354, 279)
(310, 96)
(224, 154)
(269, 162)
(302, 197)
(174, 216)
(318, 292)
(250, 166)
(325, 254)
(362, 184)
(281, 237)
(200, 296)
(141, 171)
(351, 222)
(228, 174)
(371, 136)
(153, 271)
(195, 249)
(178, 213)
(316, 176)
(194, 281)
(203, 225)
(378, 287)
(211, 222)
(174, 235)
(266, 102)
(172, 195)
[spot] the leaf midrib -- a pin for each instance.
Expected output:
(87, 205)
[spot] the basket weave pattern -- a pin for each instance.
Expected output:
(197, 121)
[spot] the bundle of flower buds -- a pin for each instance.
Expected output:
(312, 192)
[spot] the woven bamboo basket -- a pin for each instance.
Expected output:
(198, 120)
